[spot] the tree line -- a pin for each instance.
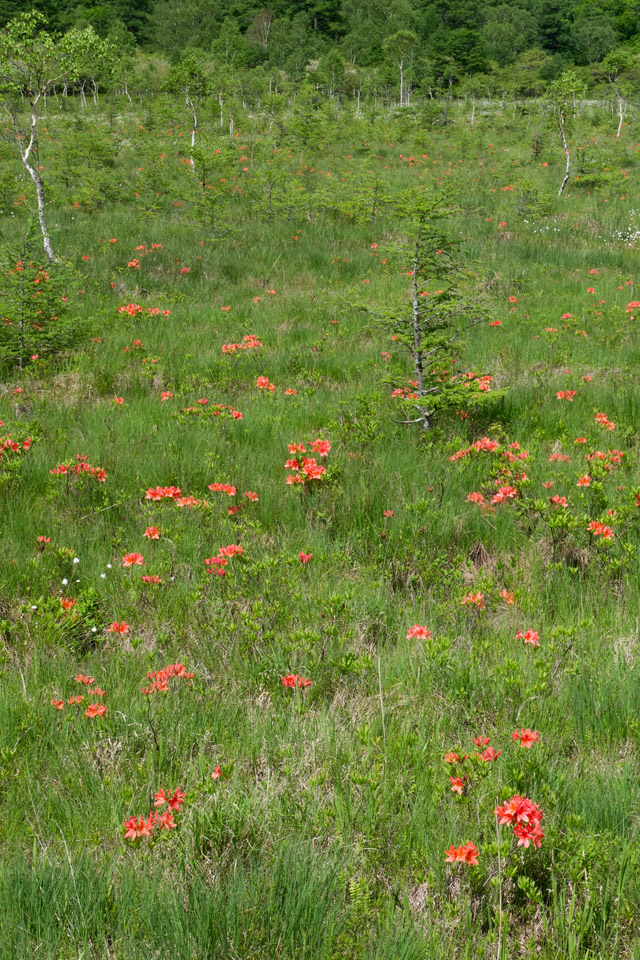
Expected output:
(440, 45)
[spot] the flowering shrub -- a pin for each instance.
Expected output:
(586, 517)
(135, 310)
(135, 828)
(218, 563)
(305, 469)
(249, 342)
(13, 449)
(80, 469)
(161, 678)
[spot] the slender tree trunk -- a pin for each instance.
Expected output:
(567, 154)
(400, 65)
(46, 240)
(193, 130)
(622, 109)
(38, 184)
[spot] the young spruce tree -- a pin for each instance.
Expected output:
(445, 305)
(36, 323)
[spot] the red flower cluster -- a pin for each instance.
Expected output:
(466, 854)
(231, 491)
(600, 530)
(504, 493)
(525, 817)
(79, 469)
(249, 342)
(190, 502)
(529, 636)
(218, 563)
(609, 460)
(295, 680)
(485, 444)
(306, 468)
(133, 560)
(93, 709)
(135, 828)
(263, 383)
(474, 599)
(8, 443)
(161, 493)
(223, 488)
(174, 801)
(603, 421)
(161, 677)
(526, 737)
(406, 393)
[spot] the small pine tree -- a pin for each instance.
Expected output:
(431, 327)
(35, 321)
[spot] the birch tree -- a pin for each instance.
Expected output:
(565, 95)
(618, 68)
(188, 77)
(399, 48)
(32, 63)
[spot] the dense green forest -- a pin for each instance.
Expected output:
(518, 45)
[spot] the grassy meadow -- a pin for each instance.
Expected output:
(316, 819)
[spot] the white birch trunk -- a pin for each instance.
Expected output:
(38, 184)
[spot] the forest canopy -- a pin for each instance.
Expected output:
(444, 42)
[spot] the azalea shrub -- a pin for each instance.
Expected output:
(585, 513)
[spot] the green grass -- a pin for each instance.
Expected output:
(326, 835)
